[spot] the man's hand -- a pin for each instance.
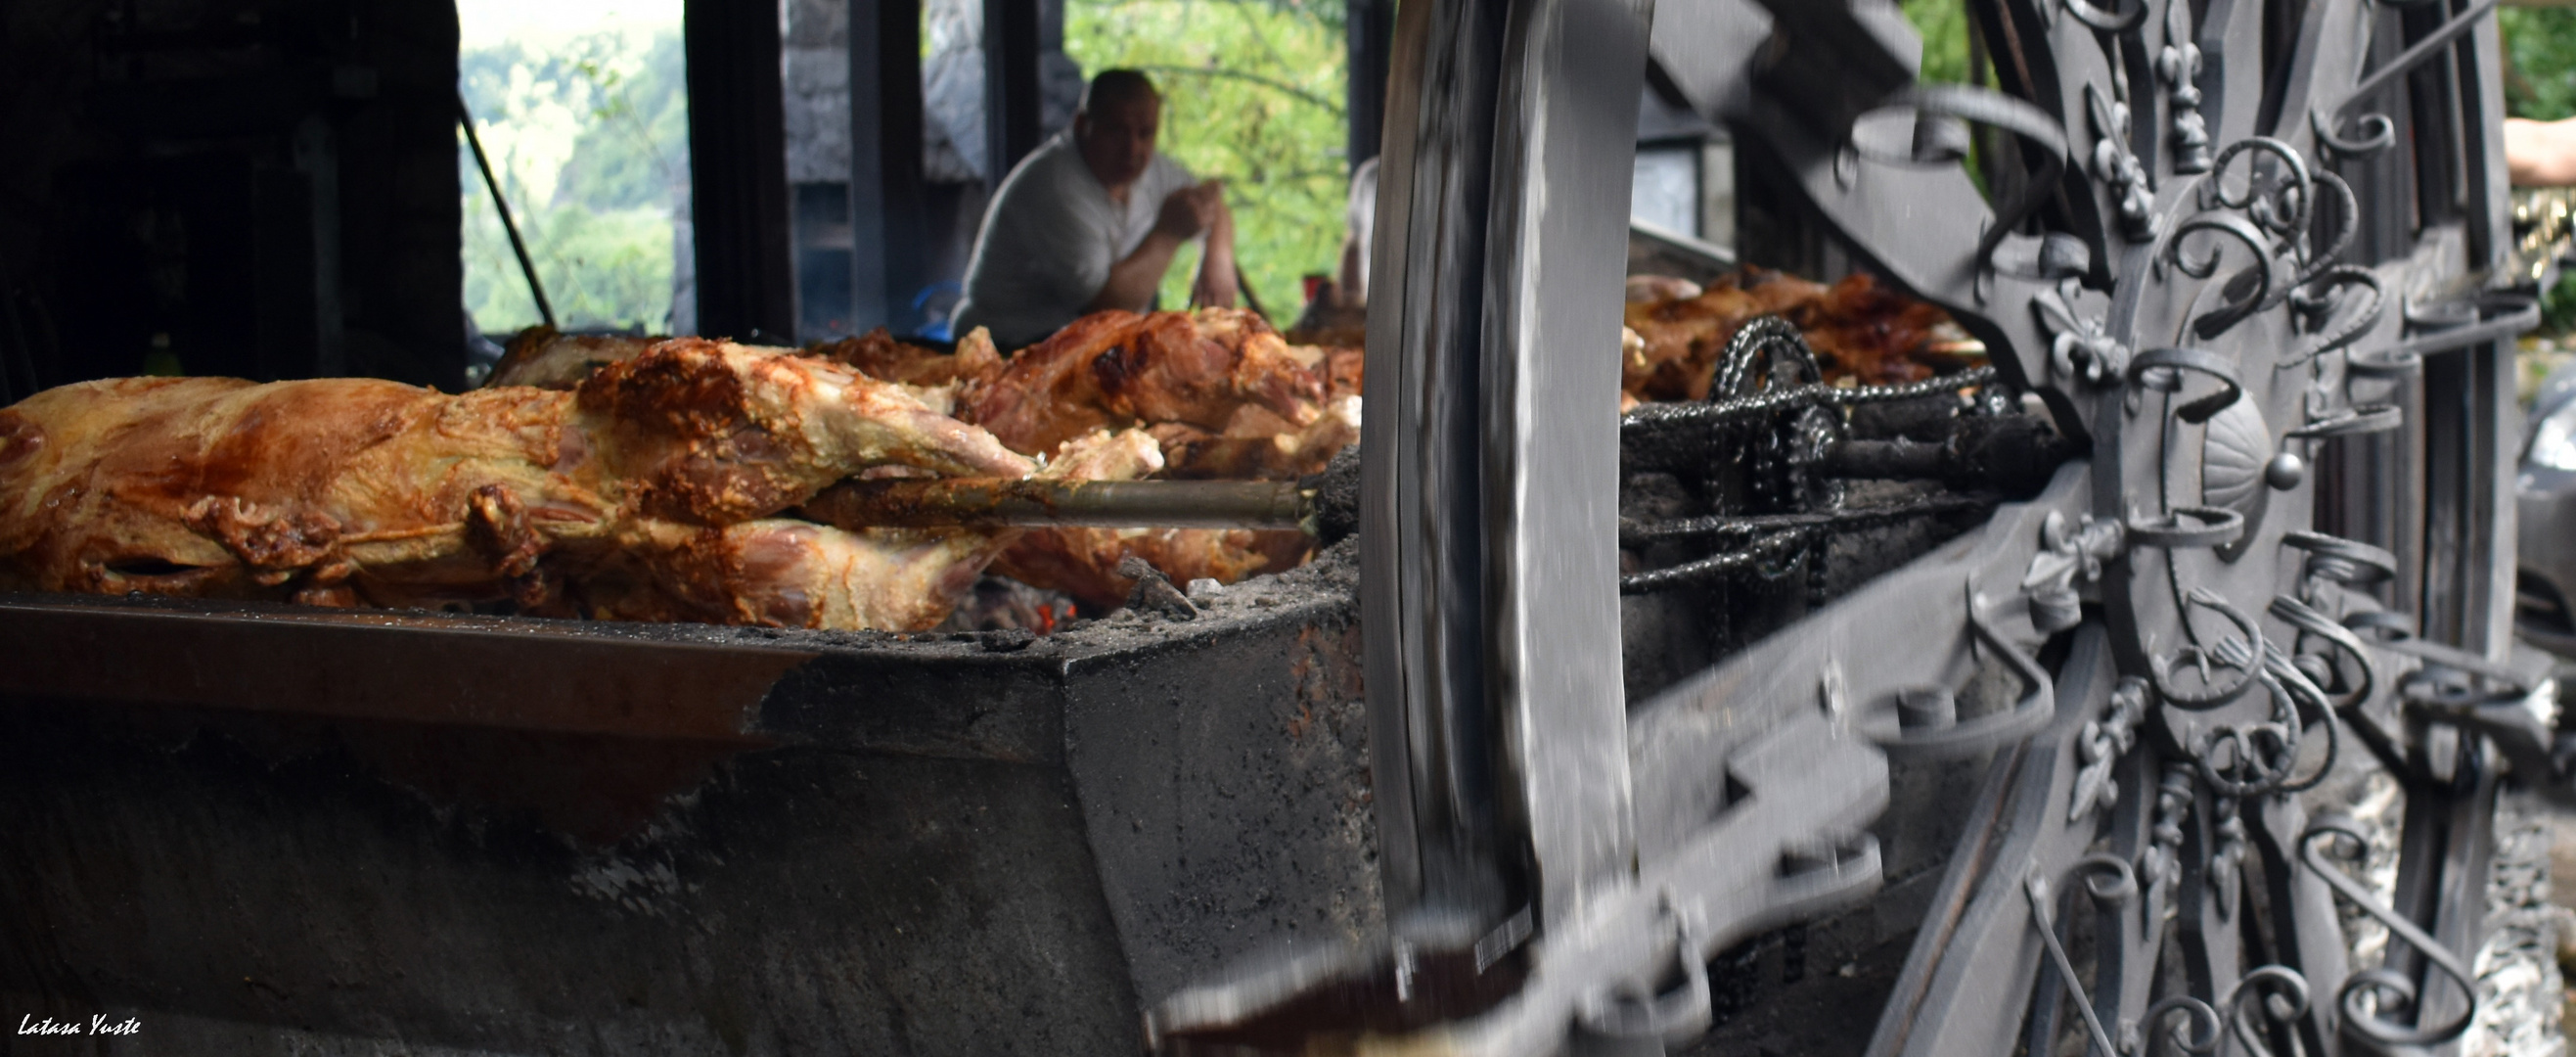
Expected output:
(1191, 210)
(1184, 215)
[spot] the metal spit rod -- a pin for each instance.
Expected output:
(976, 502)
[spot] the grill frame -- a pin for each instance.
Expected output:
(348, 825)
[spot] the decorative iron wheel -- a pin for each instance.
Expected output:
(2252, 257)
(2256, 254)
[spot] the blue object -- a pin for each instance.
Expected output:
(937, 329)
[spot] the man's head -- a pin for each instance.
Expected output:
(1115, 128)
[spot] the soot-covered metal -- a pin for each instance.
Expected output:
(271, 828)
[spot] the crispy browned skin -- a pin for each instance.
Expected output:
(1122, 369)
(715, 433)
(342, 491)
(784, 572)
(878, 355)
(1859, 329)
(1259, 446)
(327, 491)
(1225, 395)
(1083, 562)
(1342, 370)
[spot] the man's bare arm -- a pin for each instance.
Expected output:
(1185, 213)
(2540, 153)
(1132, 281)
(1216, 279)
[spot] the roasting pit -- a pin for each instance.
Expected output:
(251, 825)
(1090, 818)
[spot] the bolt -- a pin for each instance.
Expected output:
(2285, 471)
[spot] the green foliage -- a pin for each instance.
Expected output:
(2540, 83)
(1944, 27)
(2540, 73)
(1253, 94)
(590, 143)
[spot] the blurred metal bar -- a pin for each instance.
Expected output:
(1370, 34)
(1420, 485)
(527, 268)
(1488, 495)
(1563, 152)
(1011, 127)
(999, 502)
(889, 240)
(746, 280)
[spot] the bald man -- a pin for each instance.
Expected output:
(1091, 220)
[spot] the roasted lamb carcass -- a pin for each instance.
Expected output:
(783, 571)
(661, 473)
(1221, 392)
(1199, 369)
(1225, 395)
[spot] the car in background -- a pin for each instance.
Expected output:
(2545, 494)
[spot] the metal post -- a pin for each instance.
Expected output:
(738, 170)
(1010, 85)
(527, 268)
(1370, 31)
(888, 237)
(1420, 501)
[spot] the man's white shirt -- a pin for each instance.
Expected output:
(1050, 238)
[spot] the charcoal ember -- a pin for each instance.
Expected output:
(999, 603)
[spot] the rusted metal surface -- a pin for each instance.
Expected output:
(417, 668)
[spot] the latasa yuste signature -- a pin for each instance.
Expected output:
(32, 1024)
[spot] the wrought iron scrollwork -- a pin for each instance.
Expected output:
(2161, 370)
(2120, 21)
(2218, 320)
(2279, 994)
(2162, 861)
(2199, 657)
(2369, 995)
(2319, 302)
(2198, 1013)
(2378, 134)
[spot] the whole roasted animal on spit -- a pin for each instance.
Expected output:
(1221, 393)
(639, 478)
(652, 491)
